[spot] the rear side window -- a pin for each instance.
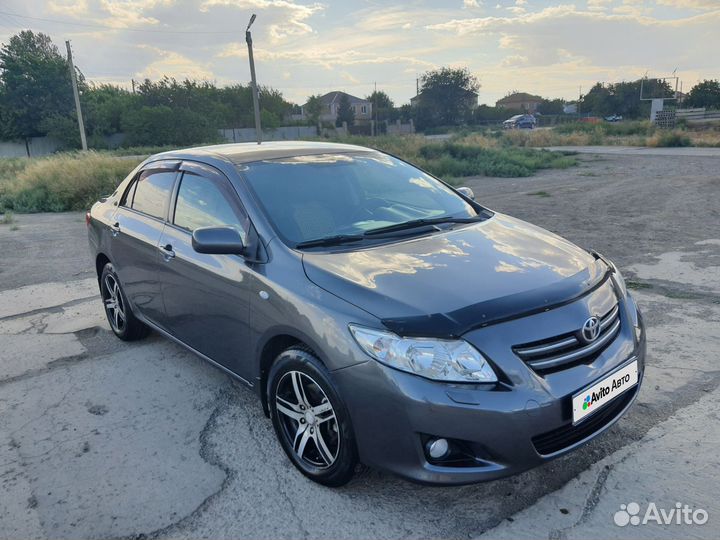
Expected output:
(202, 202)
(152, 192)
(129, 194)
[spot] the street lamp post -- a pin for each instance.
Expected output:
(256, 101)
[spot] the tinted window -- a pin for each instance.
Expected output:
(309, 197)
(202, 202)
(152, 193)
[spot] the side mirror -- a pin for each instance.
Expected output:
(467, 192)
(217, 241)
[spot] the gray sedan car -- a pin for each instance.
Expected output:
(380, 315)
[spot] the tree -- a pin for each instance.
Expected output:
(486, 114)
(704, 94)
(313, 108)
(383, 106)
(623, 98)
(447, 97)
(551, 106)
(345, 112)
(34, 85)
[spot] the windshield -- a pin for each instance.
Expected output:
(318, 196)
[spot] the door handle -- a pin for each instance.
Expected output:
(115, 229)
(167, 252)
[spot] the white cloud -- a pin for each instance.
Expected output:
(172, 64)
(292, 20)
(692, 4)
(326, 58)
(469, 4)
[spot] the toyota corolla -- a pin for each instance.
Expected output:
(380, 315)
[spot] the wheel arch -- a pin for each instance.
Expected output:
(274, 344)
(100, 261)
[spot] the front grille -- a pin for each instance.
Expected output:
(571, 348)
(567, 435)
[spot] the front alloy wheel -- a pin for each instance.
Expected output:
(310, 420)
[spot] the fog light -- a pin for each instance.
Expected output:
(438, 448)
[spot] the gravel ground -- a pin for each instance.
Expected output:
(100, 438)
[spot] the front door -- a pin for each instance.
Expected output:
(206, 297)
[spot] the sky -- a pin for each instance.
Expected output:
(306, 47)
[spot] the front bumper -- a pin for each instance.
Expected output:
(509, 427)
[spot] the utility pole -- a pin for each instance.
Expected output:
(73, 78)
(256, 101)
(579, 99)
(376, 110)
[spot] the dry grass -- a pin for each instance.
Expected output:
(71, 181)
(606, 134)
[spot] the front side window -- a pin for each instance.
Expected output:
(202, 202)
(152, 192)
(311, 197)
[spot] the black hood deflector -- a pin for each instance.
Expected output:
(457, 323)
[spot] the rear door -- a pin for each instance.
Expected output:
(206, 297)
(136, 229)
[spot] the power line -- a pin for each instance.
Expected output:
(107, 27)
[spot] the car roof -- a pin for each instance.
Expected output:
(238, 153)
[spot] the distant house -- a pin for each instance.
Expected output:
(331, 103)
(570, 108)
(520, 101)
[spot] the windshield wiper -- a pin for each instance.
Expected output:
(330, 240)
(347, 238)
(422, 222)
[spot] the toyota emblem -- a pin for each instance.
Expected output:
(591, 329)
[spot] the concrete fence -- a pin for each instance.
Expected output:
(284, 133)
(36, 147)
(698, 116)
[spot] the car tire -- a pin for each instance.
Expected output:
(310, 419)
(117, 309)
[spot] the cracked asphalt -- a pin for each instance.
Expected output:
(99, 438)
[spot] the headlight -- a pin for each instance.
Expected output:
(619, 279)
(437, 359)
(617, 276)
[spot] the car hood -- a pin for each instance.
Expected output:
(450, 282)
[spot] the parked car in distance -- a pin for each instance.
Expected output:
(520, 121)
(614, 118)
(380, 315)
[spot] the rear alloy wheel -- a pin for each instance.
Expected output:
(310, 420)
(122, 321)
(114, 305)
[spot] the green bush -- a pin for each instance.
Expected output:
(180, 127)
(451, 159)
(607, 128)
(671, 139)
